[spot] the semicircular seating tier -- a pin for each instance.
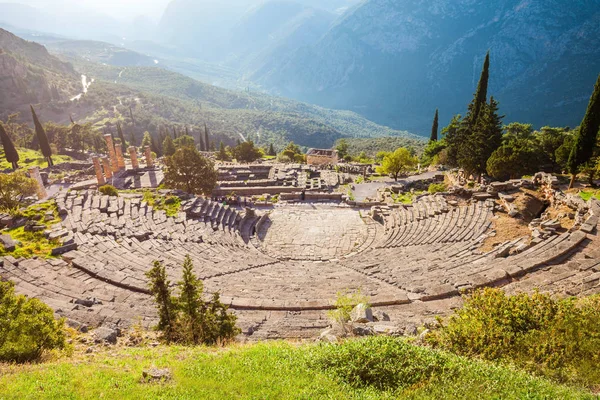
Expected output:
(422, 254)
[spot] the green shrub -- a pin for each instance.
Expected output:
(556, 338)
(189, 319)
(27, 327)
(437, 188)
(382, 362)
(344, 303)
(108, 190)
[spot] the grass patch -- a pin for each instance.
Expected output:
(406, 198)
(31, 244)
(170, 204)
(31, 158)
(588, 194)
(278, 370)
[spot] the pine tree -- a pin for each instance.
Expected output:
(167, 307)
(122, 137)
(206, 139)
(585, 142)
(434, 128)
(10, 152)
(190, 301)
(481, 93)
(168, 147)
(42, 138)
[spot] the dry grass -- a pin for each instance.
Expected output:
(507, 229)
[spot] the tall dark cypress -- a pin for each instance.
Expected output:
(585, 142)
(200, 141)
(206, 139)
(42, 138)
(10, 152)
(435, 128)
(132, 138)
(482, 88)
(122, 137)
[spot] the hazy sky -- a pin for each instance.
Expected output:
(115, 8)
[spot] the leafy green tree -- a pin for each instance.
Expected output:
(400, 161)
(562, 154)
(168, 147)
(223, 155)
(10, 152)
(189, 171)
(455, 135)
(512, 160)
(147, 140)
(27, 327)
(549, 140)
(246, 152)
(342, 148)
(166, 303)
(485, 138)
(42, 138)
(435, 127)
(585, 142)
(14, 187)
(432, 150)
(184, 141)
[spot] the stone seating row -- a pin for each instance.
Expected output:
(132, 217)
(451, 224)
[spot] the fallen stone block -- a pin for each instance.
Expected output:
(64, 249)
(8, 243)
(361, 314)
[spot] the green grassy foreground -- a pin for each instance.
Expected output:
(31, 158)
(278, 370)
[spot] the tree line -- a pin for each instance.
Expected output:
(480, 144)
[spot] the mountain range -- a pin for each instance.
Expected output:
(395, 61)
(159, 98)
(391, 61)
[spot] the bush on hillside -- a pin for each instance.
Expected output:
(189, 319)
(437, 188)
(556, 338)
(108, 190)
(382, 362)
(27, 327)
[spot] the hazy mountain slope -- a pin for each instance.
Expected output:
(203, 27)
(396, 61)
(161, 98)
(78, 22)
(29, 74)
(274, 30)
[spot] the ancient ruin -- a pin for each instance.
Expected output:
(279, 265)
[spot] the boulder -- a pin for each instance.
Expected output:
(106, 335)
(590, 224)
(361, 314)
(362, 330)
(328, 336)
(386, 329)
(380, 316)
(8, 243)
(156, 375)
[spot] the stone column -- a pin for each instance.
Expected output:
(107, 167)
(120, 159)
(149, 161)
(34, 173)
(111, 153)
(134, 160)
(98, 169)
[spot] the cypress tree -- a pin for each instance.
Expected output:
(133, 142)
(200, 141)
(122, 137)
(585, 142)
(434, 128)
(482, 88)
(271, 150)
(42, 138)
(10, 152)
(206, 139)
